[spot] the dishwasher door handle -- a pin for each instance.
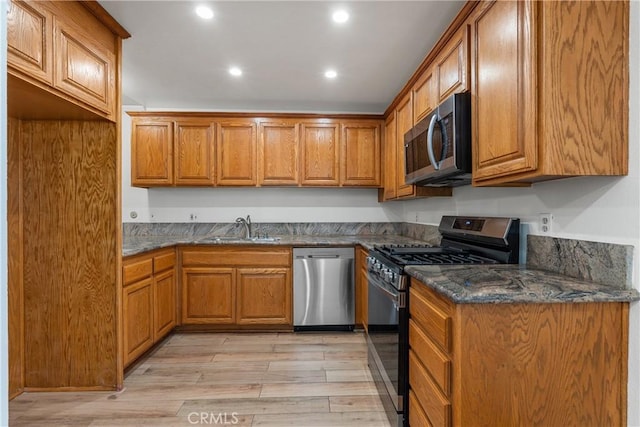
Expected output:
(324, 256)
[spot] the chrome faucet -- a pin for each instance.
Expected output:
(247, 225)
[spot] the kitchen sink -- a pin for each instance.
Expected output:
(222, 239)
(264, 239)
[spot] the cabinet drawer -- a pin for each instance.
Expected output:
(435, 405)
(417, 417)
(436, 363)
(432, 320)
(132, 272)
(236, 257)
(164, 262)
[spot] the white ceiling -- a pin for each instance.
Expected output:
(175, 60)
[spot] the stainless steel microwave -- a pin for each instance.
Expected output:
(438, 148)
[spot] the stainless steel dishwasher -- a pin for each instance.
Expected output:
(323, 289)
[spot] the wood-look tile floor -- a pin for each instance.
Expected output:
(243, 379)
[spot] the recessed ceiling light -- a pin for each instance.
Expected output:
(340, 16)
(235, 71)
(204, 12)
(330, 74)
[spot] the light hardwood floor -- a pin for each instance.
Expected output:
(243, 379)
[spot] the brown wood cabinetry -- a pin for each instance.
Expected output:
(537, 104)
(390, 155)
(515, 364)
(236, 286)
(360, 157)
(404, 122)
(63, 48)
(194, 159)
(320, 154)
(362, 287)
(148, 301)
(151, 152)
(452, 65)
(425, 95)
(278, 153)
(236, 153)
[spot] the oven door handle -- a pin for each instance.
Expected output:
(398, 299)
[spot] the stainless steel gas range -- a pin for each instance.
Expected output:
(465, 240)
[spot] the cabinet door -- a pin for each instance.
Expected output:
(425, 95)
(264, 296)
(360, 160)
(503, 84)
(362, 288)
(194, 161)
(208, 295)
(453, 65)
(29, 32)
(236, 153)
(151, 153)
(164, 305)
(404, 122)
(137, 314)
(84, 69)
(278, 154)
(320, 154)
(390, 159)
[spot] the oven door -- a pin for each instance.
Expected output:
(387, 337)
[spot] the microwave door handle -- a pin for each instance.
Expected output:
(432, 157)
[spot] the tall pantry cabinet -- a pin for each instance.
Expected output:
(64, 225)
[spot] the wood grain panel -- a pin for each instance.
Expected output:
(320, 154)
(404, 122)
(435, 323)
(70, 188)
(453, 65)
(362, 287)
(360, 158)
(84, 69)
(263, 296)
(278, 154)
(134, 270)
(15, 259)
(164, 260)
(417, 417)
(208, 295)
(194, 161)
(151, 152)
(503, 83)
(569, 361)
(237, 256)
(435, 362)
(435, 405)
(29, 33)
(137, 309)
(390, 159)
(236, 153)
(425, 97)
(585, 88)
(164, 304)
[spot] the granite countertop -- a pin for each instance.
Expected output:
(509, 283)
(133, 245)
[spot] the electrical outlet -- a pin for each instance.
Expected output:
(193, 217)
(546, 223)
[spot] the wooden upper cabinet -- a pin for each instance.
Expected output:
(320, 154)
(425, 95)
(236, 153)
(278, 154)
(390, 155)
(194, 160)
(360, 160)
(29, 33)
(542, 110)
(84, 68)
(452, 64)
(151, 152)
(404, 122)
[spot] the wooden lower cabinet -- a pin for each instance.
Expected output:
(148, 301)
(236, 285)
(516, 364)
(362, 287)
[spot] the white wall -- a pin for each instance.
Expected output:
(605, 209)
(263, 204)
(4, 311)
